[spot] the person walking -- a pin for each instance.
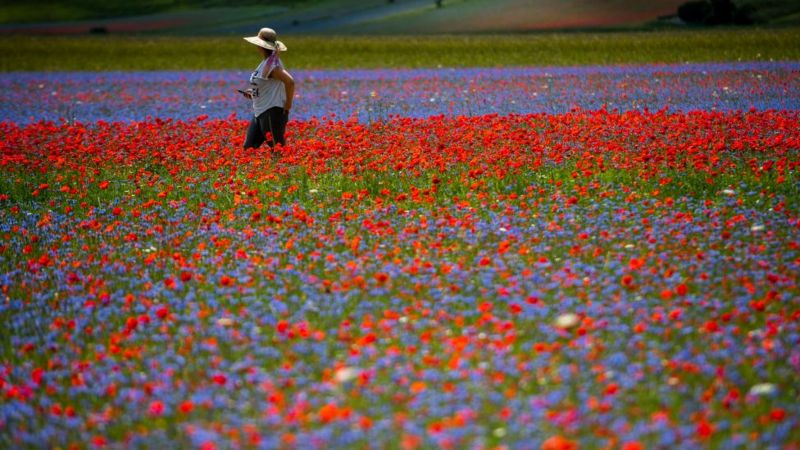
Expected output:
(271, 90)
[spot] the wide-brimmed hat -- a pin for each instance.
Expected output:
(267, 38)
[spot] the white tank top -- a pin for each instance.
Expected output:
(267, 92)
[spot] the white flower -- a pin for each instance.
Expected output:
(757, 228)
(566, 321)
(224, 321)
(762, 389)
(728, 192)
(346, 374)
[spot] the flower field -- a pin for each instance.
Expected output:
(602, 257)
(371, 95)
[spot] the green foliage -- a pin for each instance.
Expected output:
(306, 52)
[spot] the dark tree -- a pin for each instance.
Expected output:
(744, 15)
(716, 12)
(695, 12)
(721, 12)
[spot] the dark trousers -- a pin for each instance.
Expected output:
(272, 121)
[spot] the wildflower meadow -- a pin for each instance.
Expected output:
(473, 258)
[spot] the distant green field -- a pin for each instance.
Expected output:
(30, 11)
(306, 52)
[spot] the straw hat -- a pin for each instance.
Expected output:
(267, 38)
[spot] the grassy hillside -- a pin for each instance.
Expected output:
(544, 49)
(219, 17)
(32, 11)
(776, 11)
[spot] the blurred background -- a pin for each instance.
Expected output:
(391, 17)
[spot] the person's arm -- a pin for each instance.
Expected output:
(288, 83)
